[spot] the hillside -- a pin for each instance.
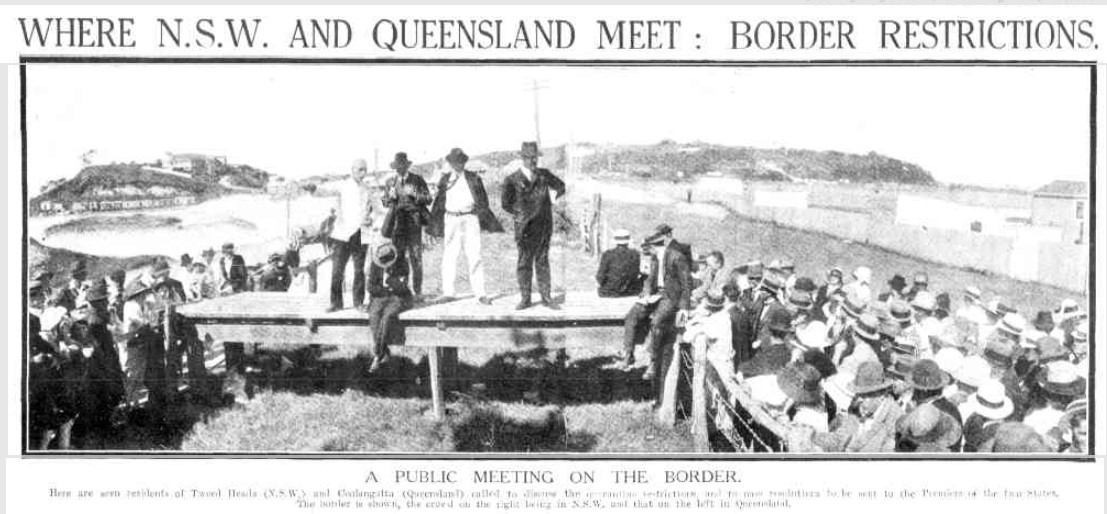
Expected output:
(60, 261)
(118, 181)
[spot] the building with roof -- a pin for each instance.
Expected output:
(1062, 204)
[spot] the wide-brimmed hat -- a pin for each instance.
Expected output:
(867, 327)
(1062, 378)
(901, 365)
(805, 284)
(621, 236)
(457, 156)
(772, 283)
(1012, 323)
(530, 149)
(800, 381)
(228, 246)
(1015, 437)
(1067, 309)
(1043, 321)
(927, 376)
(854, 305)
(991, 401)
(1050, 349)
(900, 310)
(98, 291)
(974, 371)
(400, 160)
(973, 293)
(159, 269)
(1000, 352)
(134, 288)
(801, 300)
(929, 428)
(385, 255)
(714, 300)
(813, 335)
(897, 282)
(869, 378)
(949, 360)
(765, 389)
(924, 301)
(662, 230)
(780, 320)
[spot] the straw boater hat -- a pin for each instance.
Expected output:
(949, 360)
(400, 160)
(901, 365)
(854, 305)
(385, 255)
(1014, 437)
(1012, 324)
(900, 311)
(1068, 309)
(774, 265)
(866, 328)
(715, 300)
(800, 382)
(1000, 352)
(921, 278)
(813, 335)
(787, 264)
(1075, 408)
(1080, 332)
(974, 371)
(927, 376)
(621, 236)
(772, 283)
(929, 428)
(973, 293)
(990, 400)
(457, 156)
(1062, 379)
(870, 378)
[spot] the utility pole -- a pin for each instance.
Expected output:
(535, 87)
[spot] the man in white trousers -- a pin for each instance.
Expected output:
(458, 215)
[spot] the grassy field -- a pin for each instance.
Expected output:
(324, 400)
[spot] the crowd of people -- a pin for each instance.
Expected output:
(847, 368)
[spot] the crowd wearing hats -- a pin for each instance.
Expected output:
(904, 370)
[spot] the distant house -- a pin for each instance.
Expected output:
(196, 164)
(1062, 204)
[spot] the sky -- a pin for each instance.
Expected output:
(1015, 126)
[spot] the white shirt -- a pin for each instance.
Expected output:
(661, 265)
(355, 208)
(459, 198)
(1043, 420)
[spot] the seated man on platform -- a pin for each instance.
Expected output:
(389, 295)
(620, 269)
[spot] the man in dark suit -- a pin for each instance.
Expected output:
(666, 301)
(620, 269)
(230, 272)
(186, 339)
(527, 196)
(407, 196)
(388, 297)
(459, 214)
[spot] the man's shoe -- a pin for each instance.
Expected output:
(486, 300)
(523, 304)
(549, 303)
(378, 361)
(334, 308)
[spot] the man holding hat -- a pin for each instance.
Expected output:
(527, 195)
(620, 268)
(389, 295)
(407, 196)
(459, 214)
(351, 232)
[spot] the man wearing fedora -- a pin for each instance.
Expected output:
(389, 295)
(527, 196)
(459, 214)
(351, 232)
(620, 273)
(407, 198)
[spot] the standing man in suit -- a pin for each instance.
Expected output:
(528, 196)
(459, 214)
(354, 216)
(666, 301)
(407, 196)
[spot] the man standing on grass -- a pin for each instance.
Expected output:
(459, 214)
(528, 195)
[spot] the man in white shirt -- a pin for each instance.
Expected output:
(350, 233)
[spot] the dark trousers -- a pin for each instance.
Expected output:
(411, 249)
(343, 251)
(534, 260)
(657, 318)
(384, 320)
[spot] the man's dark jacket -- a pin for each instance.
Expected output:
(488, 221)
(407, 215)
(677, 271)
(619, 273)
(529, 202)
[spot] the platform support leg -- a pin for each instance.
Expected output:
(434, 355)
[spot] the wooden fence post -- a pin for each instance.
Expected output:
(700, 395)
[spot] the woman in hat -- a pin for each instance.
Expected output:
(987, 408)
(928, 429)
(825, 291)
(389, 295)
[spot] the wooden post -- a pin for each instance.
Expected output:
(595, 223)
(436, 383)
(670, 366)
(700, 394)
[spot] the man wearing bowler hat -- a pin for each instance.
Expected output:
(407, 196)
(527, 195)
(459, 214)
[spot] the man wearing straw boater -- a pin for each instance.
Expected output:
(528, 195)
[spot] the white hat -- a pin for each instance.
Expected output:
(51, 317)
(863, 274)
(949, 359)
(974, 371)
(765, 389)
(813, 335)
(1012, 323)
(621, 235)
(1080, 333)
(990, 400)
(925, 301)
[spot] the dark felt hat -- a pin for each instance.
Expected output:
(929, 428)
(870, 378)
(806, 284)
(385, 255)
(457, 156)
(897, 282)
(1014, 437)
(801, 382)
(529, 149)
(400, 160)
(780, 320)
(927, 376)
